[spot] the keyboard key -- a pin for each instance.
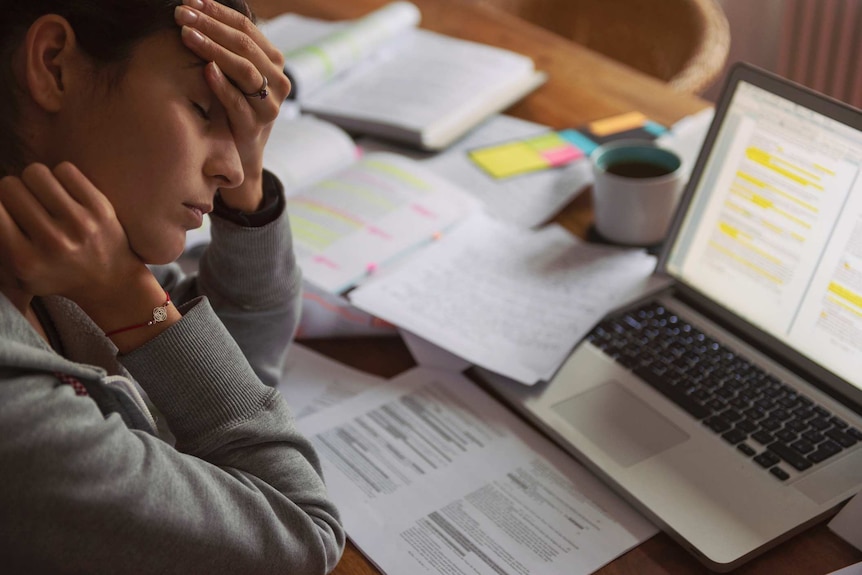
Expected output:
(747, 426)
(780, 473)
(763, 437)
(734, 436)
(770, 424)
(796, 425)
(786, 435)
(791, 456)
(746, 449)
(838, 422)
(820, 423)
(802, 446)
(672, 393)
(813, 436)
(854, 433)
(717, 424)
(840, 437)
(824, 451)
(767, 459)
(731, 415)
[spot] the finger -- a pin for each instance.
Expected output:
(82, 190)
(28, 214)
(247, 77)
(10, 232)
(15, 248)
(240, 22)
(44, 186)
(235, 103)
(239, 54)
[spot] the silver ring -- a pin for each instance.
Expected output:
(262, 92)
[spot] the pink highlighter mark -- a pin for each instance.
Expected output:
(378, 232)
(420, 209)
(325, 261)
(561, 156)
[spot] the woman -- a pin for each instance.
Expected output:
(123, 122)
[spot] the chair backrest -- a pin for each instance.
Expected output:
(683, 42)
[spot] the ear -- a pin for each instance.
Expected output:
(49, 52)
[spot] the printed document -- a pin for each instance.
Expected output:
(432, 475)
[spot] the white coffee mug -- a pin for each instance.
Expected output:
(636, 188)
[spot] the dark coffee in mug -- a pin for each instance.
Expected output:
(637, 169)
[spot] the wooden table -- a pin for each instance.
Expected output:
(582, 86)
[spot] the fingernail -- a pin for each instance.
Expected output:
(194, 4)
(185, 15)
(215, 70)
(193, 35)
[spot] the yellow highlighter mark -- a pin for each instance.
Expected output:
(311, 233)
(824, 169)
(750, 179)
(747, 263)
(846, 294)
(759, 200)
(843, 304)
(768, 161)
(400, 174)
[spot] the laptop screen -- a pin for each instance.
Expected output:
(773, 225)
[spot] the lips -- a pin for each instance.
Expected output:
(197, 212)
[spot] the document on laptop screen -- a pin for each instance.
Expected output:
(774, 230)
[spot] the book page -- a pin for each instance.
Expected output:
(511, 300)
(316, 51)
(351, 225)
(303, 150)
(432, 475)
(421, 84)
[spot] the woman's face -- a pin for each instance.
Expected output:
(158, 145)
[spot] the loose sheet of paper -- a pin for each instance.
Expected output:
(312, 382)
(433, 476)
(511, 300)
(848, 523)
(527, 200)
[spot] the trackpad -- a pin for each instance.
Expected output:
(620, 423)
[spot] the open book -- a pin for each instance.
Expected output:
(384, 76)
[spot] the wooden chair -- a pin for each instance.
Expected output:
(683, 42)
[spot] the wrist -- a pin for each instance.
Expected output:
(133, 313)
(246, 198)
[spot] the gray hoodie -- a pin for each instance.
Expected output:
(86, 486)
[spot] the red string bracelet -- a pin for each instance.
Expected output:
(160, 314)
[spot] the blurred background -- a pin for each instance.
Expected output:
(817, 43)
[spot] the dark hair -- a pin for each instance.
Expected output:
(107, 31)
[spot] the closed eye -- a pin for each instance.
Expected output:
(202, 112)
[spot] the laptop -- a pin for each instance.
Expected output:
(727, 404)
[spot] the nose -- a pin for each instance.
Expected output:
(223, 161)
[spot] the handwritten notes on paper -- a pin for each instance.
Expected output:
(510, 300)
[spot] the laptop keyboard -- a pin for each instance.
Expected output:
(765, 419)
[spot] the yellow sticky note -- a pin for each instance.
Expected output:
(508, 159)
